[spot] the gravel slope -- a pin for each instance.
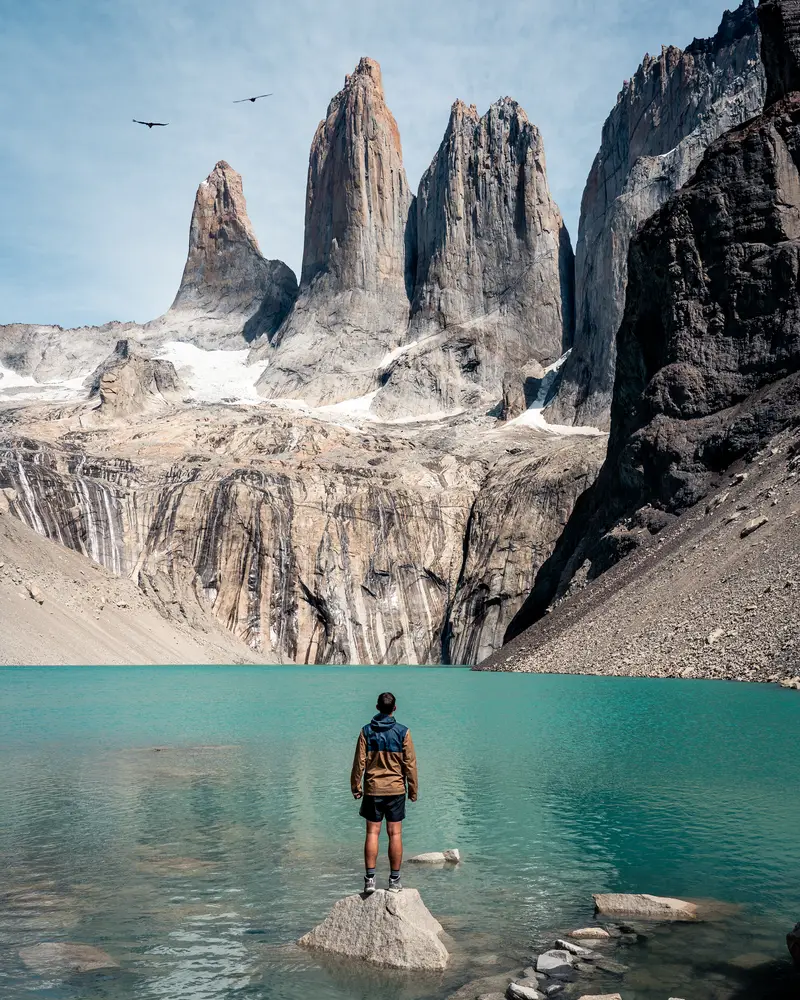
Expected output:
(698, 599)
(86, 615)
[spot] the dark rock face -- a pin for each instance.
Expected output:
(653, 141)
(709, 349)
(780, 22)
(354, 299)
(494, 266)
(226, 279)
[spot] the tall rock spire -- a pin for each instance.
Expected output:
(354, 300)
(494, 266)
(227, 284)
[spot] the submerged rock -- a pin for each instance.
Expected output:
(63, 956)
(437, 857)
(393, 929)
(793, 941)
(618, 904)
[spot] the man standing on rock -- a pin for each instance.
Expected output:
(386, 761)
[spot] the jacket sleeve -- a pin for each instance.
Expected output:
(410, 766)
(359, 763)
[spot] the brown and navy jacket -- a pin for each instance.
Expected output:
(385, 759)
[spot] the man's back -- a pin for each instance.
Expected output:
(385, 757)
(386, 762)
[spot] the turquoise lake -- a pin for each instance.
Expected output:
(197, 866)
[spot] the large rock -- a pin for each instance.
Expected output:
(354, 289)
(389, 929)
(130, 381)
(708, 365)
(229, 292)
(666, 116)
(65, 957)
(494, 267)
(617, 904)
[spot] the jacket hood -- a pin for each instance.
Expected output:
(383, 722)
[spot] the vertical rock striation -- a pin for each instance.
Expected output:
(709, 348)
(227, 285)
(354, 297)
(494, 267)
(653, 141)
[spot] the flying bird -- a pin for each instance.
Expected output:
(252, 99)
(150, 124)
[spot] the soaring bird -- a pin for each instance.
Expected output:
(151, 124)
(252, 99)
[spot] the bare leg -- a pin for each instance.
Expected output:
(371, 844)
(395, 831)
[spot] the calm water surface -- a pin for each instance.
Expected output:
(198, 866)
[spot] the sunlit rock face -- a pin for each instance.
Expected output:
(494, 267)
(667, 114)
(312, 541)
(228, 289)
(354, 289)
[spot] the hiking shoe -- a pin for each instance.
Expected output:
(395, 885)
(369, 885)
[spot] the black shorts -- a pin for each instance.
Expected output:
(375, 808)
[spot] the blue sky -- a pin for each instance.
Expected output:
(96, 209)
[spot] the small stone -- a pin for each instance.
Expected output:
(516, 991)
(553, 989)
(586, 933)
(715, 636)
(716, 502)
(438, 857)
(574, 949)
(598, 996)
(753, 526)
(741, 477)
(35, 594)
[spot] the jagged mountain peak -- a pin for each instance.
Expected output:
(666, 116)
(228, 286)
(220, 212)
(354, 297)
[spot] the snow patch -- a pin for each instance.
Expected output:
(14, 386)
(214, 376)
(534, 415)
(387, 359)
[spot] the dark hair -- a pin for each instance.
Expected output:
(386, 703)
